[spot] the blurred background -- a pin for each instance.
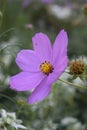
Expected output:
(66, 107)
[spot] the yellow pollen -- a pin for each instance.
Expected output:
(46, 68)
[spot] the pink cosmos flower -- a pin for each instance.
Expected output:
(41, 66)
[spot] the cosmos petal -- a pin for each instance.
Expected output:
(61, 66)
(58, 70)
(60, 47)
(53, 77)
(25, 81)
(41, 91)
(28, 60)
(42, 46)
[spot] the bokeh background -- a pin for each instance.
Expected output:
(66, 107)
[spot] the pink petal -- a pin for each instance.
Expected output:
(53, 77)
(41, 91)
(60, 46)
(25, 81)
(61, 66)
(42, 46)
(28, 60)
(58, 70)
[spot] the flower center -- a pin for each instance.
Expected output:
(46, 68)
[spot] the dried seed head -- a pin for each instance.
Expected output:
(77, 67)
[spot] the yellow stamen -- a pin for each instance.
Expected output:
(46, 68)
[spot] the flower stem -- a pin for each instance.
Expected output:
(74, 85)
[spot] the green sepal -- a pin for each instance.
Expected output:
(74, 77)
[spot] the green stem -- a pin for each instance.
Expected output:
(74, 85)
